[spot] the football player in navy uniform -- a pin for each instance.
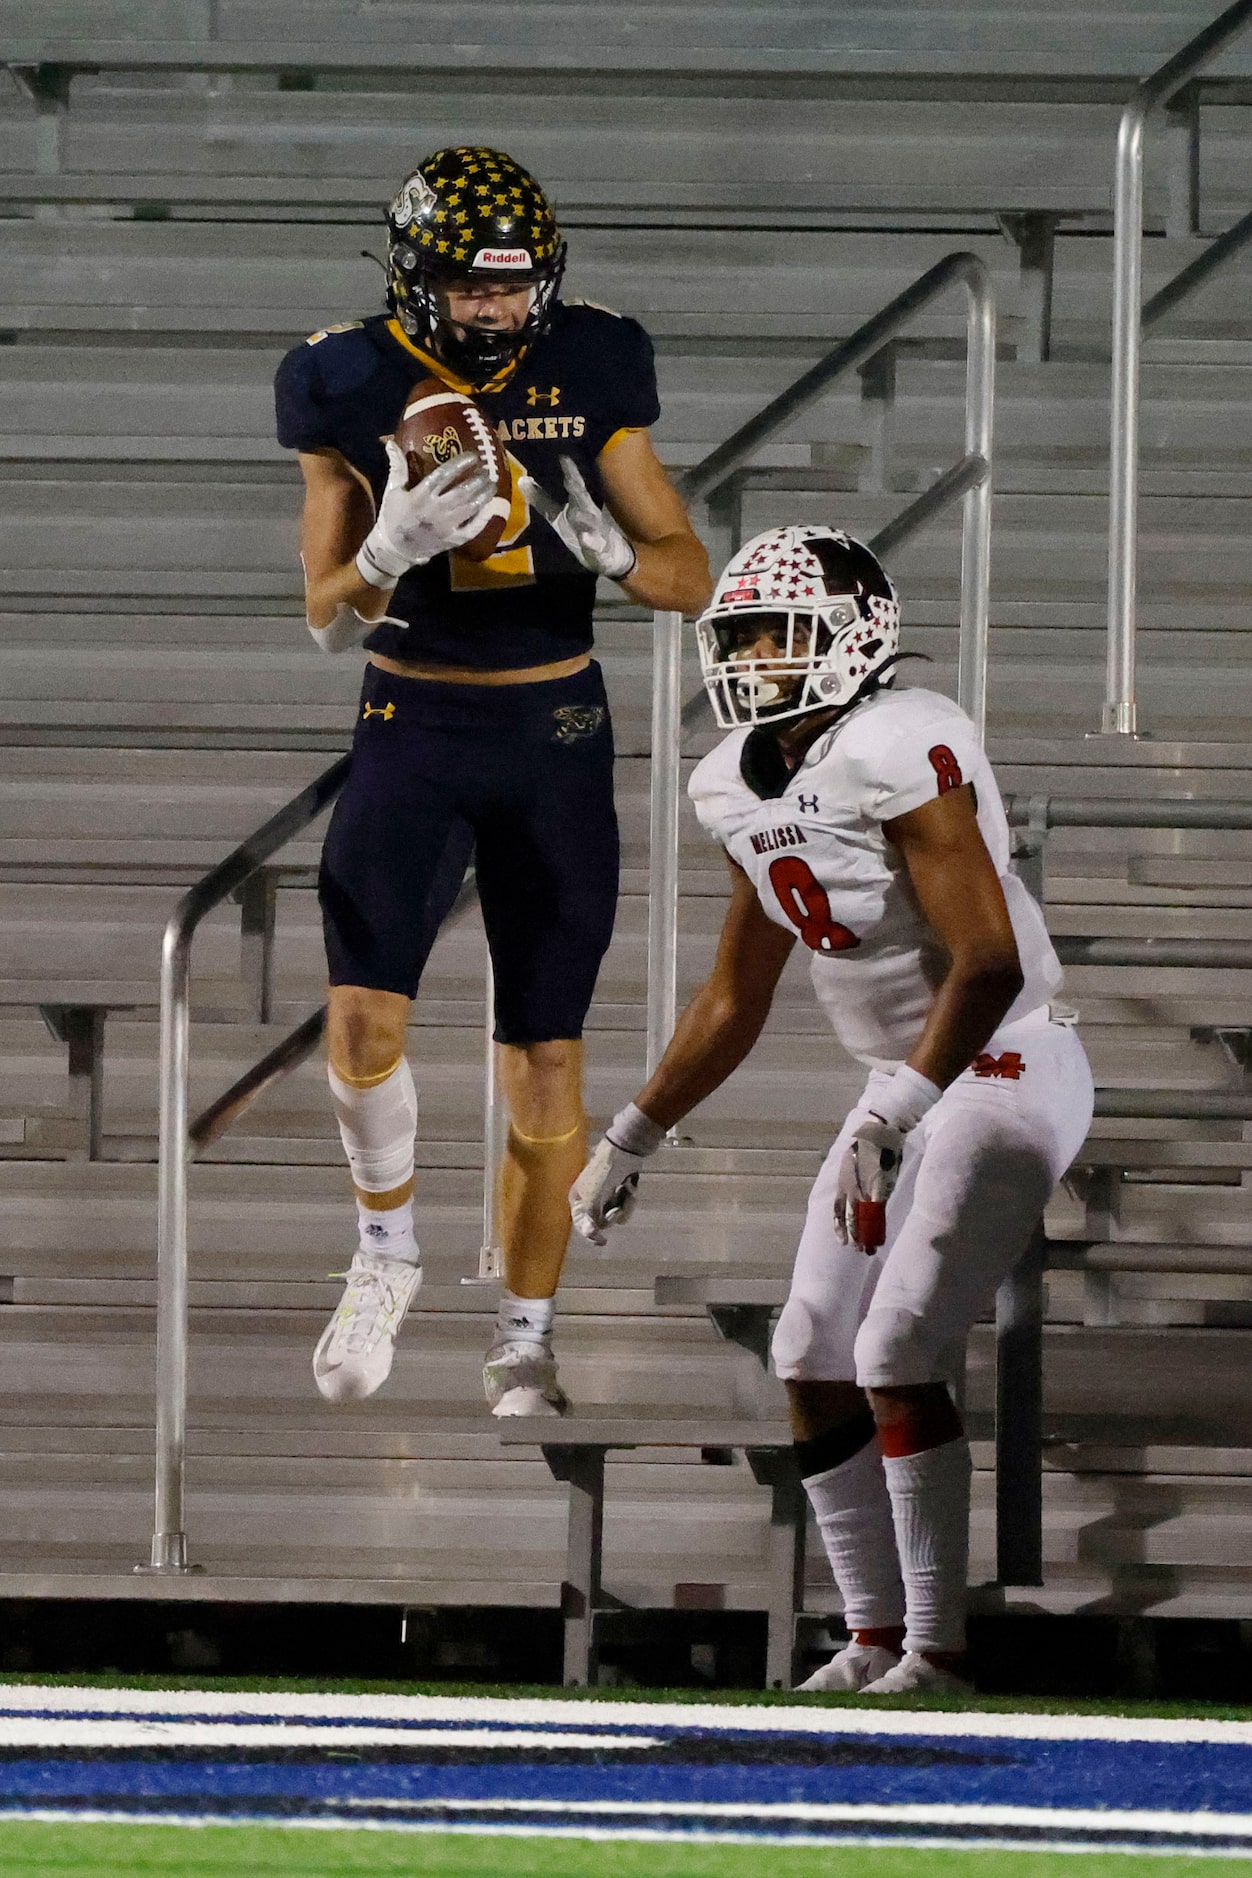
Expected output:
(866, 823)
(483, 716)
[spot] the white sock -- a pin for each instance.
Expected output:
(524, 1320)
(930, 1506)
(853, 1515)
(389, 1231)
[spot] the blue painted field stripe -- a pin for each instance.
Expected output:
(787, 1773)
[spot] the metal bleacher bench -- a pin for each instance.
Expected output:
(575, 1451)
(75, 1011)
(741, 1308)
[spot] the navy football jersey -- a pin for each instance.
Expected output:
(588, 380)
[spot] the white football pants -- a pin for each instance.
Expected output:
(975, 1176)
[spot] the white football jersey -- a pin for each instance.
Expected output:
(824, 869)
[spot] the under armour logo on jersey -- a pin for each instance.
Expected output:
(385, 711)
(1009, 1067)
(807, 805)
(551, 398)
(576, 721)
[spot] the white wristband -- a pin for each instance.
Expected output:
(906, 1098)
(378, 564)
(634, 1131)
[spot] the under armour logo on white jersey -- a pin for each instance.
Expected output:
(807, 804)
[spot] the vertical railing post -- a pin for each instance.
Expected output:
(663, 834)
(495, 1130)
(1120, 711)
(1120, 715)
(169, 1538)
(980, 361)
(1019, 1418)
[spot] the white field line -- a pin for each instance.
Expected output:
(80, 1732)
(1068, 1818)
(501, 1711)
(54, 1816)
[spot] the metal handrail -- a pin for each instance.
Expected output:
(1044, 812)
(176, 1138)
(1120, 716)
(968, 479)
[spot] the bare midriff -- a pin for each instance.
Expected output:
(469, 675)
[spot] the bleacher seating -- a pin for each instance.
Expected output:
(158, 698)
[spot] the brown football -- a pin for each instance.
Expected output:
(438, 423)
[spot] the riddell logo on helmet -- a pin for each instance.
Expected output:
(502, 257)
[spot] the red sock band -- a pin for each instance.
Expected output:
(927, 1424)
(886, 1637)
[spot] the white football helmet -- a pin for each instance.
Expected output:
(837, 620)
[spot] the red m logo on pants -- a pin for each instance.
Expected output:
(1009, 1066)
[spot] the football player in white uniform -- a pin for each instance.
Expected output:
(867, 823)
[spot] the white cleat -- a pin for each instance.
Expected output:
(520, 1379)
(354, 1352)
(855, 1665)
(913, 1675)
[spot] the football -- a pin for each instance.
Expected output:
(438, 423)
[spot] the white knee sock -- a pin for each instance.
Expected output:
(377, 1124)
(930, 1506)
(524, 1320)
(853, 1514)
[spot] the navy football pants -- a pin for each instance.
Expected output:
(520, 775)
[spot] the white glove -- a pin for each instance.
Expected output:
(871, 1161)
(606, 1192)
(443, 511)
(588, 531)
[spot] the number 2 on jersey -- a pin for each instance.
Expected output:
(509, 566)
(803, 899)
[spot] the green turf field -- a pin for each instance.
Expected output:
(31, 1850)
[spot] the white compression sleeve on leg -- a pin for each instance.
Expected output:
(930, 1505)
(853, 1513)
(377, 1126)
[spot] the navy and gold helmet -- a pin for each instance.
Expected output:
(474, 214)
